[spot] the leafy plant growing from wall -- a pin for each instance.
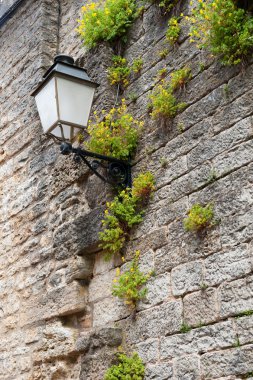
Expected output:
(128, 367)
(165, 5)
(224, 29)
(106, 20)
(164, 103)
(123, 213)
(179, 78)
(115, 135)
(173, 30)
(199, 217)
(129, 285)
(119, 72)
(137, 65)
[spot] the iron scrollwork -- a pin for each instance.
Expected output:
(117, 172)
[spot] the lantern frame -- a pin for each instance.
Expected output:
(114, 171)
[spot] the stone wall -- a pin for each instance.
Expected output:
(58, 318)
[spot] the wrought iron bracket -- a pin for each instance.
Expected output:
(117, 172)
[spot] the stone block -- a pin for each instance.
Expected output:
(174, 169)
(158, 291)
(234, 361)
(185, 185)
(201, 307)
(187, 368)
(56, 341)
(154, 240)
(100, 286)
(109, 310)
(235, 297)
(61, 301)
(244, 329)
(187, 277)
(233, 159)
(169, 211)
(229, 115)
(161, 371)
(228, 265)
(149, 350)
(97, 338)
(154, 322)
(80, 234)
(80, 268)
(225, 140)
(199, 341)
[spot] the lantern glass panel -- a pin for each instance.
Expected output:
(75, 100)
(47, 106)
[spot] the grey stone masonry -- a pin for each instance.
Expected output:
(58, 318)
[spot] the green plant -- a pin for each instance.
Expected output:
(212, 177)
(164, 162)
(173, 30)
(166, 5)
(128, 368)
(179, 78)
(201, 66)
(137, 65)
(119, 72)
(199, 217)
(245, 313)
(203, 286)
(161, 74)
(200, 324)
(185, 328)
(164, 103)
(123, 212)
(143, 186)
(226, 90)
(163, 53)
(224, 29)
(237, 342)
(115, 135)
(129, 285)
(180, 127)
(132, 96)
(105, 21)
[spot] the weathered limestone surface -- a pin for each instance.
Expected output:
(58, 319)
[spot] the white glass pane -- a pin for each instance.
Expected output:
(46, 104)
(75, 100)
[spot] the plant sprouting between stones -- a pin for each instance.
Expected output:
(115, 135)
(224, 29)
(125, 210)
(199, 217)
(106, 21)
(164, 103)
(173, 30)
(129, 285)
(128, 367)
